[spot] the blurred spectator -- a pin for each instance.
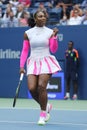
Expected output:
(13, 8)
(64, 20)
(1, 2)
(66, 5)
(26, 3)
(85, 19)
(1, 13)
(76, 19)
(80, 11)
(54, 15)
(57, 8)
(0, 16)
(5, 2)
(53, 2)
(84, 4)
(23, 21)
(65, 12)
(11, 21)
(42, 8)
(64, 9)
(20, 10)
(7, 12)
(14, 2)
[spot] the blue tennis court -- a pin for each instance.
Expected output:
(22, 118)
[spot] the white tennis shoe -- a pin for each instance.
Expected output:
(45, 116)
(42, 118)
(41, 121)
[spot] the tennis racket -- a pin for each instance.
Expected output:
(18, 89)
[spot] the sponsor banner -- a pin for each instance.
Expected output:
(9, 54)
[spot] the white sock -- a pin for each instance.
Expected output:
(75, 95)
(68, 94)
(43, 111)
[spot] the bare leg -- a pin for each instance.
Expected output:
(42, 84)
(32, 86)
(37, 87)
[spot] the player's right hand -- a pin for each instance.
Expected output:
(22, 70)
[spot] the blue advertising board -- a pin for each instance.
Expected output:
(11, 41)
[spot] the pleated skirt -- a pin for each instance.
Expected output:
(42, 65)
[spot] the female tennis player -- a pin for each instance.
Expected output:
(41, 41)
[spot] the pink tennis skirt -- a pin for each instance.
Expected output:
(42, 65)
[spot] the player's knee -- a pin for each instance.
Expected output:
(31, 88)
(41, 88)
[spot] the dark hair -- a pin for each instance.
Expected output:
(31, 22)
(71, 42)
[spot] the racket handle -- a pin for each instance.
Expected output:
(21, 76)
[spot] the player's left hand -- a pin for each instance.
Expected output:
(55, 32)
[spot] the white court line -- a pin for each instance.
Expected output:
(31, 108)
(51, 123)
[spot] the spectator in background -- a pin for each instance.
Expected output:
(76, 7)
(55, 14)
(5, 17)
(85, 19)
(1, 13)
(84, 4)
(42, 8)
(1, 2)
(12, 21)
(5, 2)
(52, 3)
(76, 19)
(14, 2)
(26, 3)
(64, 20)
(23, 21)
(67, 3)
(57, 8)
(7, 12)
(66, 6)
(0, 16)
(64, 16)
(72, 64)
(20, 10)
